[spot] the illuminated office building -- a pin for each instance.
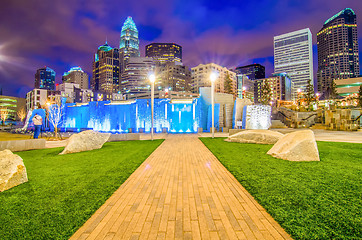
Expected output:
(129, 43)
(252, 71)
(164, 52)
(105, 77)
(77, 76)
(45, 79)
(246, 75)
(200, 77)
(135, 78)
(280, 87)
(174, 77)
(293, 55)
(337, 43)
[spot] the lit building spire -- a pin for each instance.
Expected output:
(129, 38)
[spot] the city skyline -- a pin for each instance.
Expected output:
(67, 34)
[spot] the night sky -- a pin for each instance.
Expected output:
(65, 33)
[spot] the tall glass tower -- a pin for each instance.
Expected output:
(337, 43)
(129, 43)
(45, 78)
(293, 55)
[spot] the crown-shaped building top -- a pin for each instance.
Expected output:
(129, 24)
(344, 12)
(129, 43)
(105, 47)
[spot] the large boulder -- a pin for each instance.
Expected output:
(12, 170)
(256, 136)
(296, 146)
(85, 141)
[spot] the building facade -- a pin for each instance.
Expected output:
(280, 88)
(246, 75)
(135, 78)
(245, 87)
(164, 52)
(45, 78)
(129, 43)
(174, 77)
(252, 71)
(12, 105)
(37, 97)
(293, 55)
(106, 71)
(348, 87)
(200, 77)
(77, 76)
(338, 52)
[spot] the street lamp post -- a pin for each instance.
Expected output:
(152, 80)
(213, 77)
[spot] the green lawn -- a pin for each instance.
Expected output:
(310, 200)
(65, 190)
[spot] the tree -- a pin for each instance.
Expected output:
(334, 93)
(359, 98)
(4, 114)
(265, 93)
(309, 93)
(21, 114)
(228, 84)
(55, 114)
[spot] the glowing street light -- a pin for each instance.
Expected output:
(152, 78)
(213, 77)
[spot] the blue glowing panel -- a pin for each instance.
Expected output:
(216, 116)
(121, 117)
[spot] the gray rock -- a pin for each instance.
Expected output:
(296, 146)
(85, 141)
(12, 170)
(256, 136)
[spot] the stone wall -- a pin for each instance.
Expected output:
(22, 145)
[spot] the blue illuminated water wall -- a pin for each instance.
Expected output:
(121, 117)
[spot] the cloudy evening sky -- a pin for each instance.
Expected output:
(65, 33)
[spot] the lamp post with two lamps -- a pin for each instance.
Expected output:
(213, 77)
(152, 78)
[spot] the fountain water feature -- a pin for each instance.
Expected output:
(178, 116)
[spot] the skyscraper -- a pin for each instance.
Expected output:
(129, 43)
(246, 75)
(337, 43)
(135, 76)
(293, 55)
(45, 79)
(76, 75)
(105, 77)
(164, 52)
(252, 71)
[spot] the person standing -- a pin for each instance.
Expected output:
(38, 121)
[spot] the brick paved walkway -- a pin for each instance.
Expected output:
(181, 192)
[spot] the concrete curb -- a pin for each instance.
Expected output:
(22, 145)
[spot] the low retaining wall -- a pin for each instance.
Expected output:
(22, 145)
(124, 137)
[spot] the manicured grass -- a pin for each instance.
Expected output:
(65, 190)
(310, 200)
